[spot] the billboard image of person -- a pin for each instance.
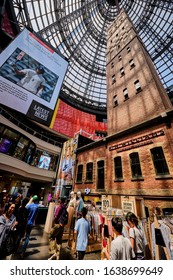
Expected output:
(66, 166)
(44, 162)
(26, 72)
(32, 80)
(31, 76)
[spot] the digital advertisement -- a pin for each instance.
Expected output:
(31, 75)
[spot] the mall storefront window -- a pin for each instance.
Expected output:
(42, 159)
(9, 139)
(21, 147)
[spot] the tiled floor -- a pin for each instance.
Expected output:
(38, 248)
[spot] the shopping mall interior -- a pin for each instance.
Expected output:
(99, 120)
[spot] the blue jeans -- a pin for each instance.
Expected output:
(27, 235)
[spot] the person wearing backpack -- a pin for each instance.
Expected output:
(56, 233)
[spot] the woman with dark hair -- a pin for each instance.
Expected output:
(7, 223)
(136, 235)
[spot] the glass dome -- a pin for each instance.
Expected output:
(77, 28)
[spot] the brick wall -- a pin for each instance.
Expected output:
(138, 107)
(150, 186)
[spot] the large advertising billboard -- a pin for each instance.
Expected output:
(31, 75)
(66, 168)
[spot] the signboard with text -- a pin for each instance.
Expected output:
(127, 206)
(106, 202)
(31, 75)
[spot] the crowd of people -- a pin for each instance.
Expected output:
(122, 248)
(18, 215)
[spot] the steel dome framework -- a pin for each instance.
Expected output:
(77, 28)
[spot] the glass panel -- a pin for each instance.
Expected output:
(29, 153)
(53, 163)
(36, 158)
(135, 165)
(8, 141)
(21, 148)
(79, 173)
(86, 24)
(115, 100)
(118, 168)
(89, 171)
(161, 167)
(100, 175)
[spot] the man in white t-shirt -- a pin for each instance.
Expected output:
(33, 79)
(121, 248)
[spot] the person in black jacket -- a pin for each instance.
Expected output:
(22, 217)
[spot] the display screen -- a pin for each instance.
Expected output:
(31, 75)
(44, 162)
(5, 145)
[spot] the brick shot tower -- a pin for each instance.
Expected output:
(135, 93)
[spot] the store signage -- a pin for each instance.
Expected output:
(87, 191)
(137, 142)
(127, 206)
(106, 202)
(20, 145)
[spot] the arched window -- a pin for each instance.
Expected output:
(79, 173)
(100, 175)
(119, 57)
(137, 86)
(89, 171)
(122, 71)
(115, 100)
(135, 165)
(112, 65)
(118, 168)
(125, 92)
(160, 165)
(132, 64)
(113, 79)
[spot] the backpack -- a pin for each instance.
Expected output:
(64, 217)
